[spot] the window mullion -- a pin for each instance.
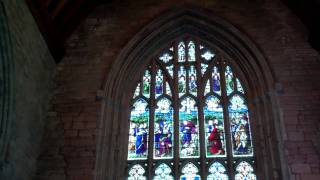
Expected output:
(224, 99)
(151, 125)
(175, 103)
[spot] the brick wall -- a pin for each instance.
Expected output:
(71, 134)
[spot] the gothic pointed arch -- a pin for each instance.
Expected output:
(250, 66)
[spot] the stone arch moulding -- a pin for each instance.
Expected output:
(131, 62)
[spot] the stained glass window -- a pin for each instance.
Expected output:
(190, 103)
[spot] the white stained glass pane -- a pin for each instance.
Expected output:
(240, 127)
(191, 52)
(137, 91)
(193, 81)
(207, 88)
(159, 83)
(163, 172)
(216, 81)
(245, 172)
(168, 90)
(190, 172)
(163, 130)
(239, 86)
(189, 129)
(138, 133)
(182, 83)
(181, 52)
(217, 172)
(203, 68)
(170, 70)
(207, 55)
(166, 57)
(137, 173)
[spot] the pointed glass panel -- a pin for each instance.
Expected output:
(181, 52)
(137, 173)
(240, 127)
(159, 83)
(168, 89)
(163, 130)
(182, 81)
(203, 68)
(139, 130)
(214, 128)
(191, 52)
(170, 70)
(216, 81)
(239, 86)
(190, 172)
(146, 83)
(207, 88)
(137, 91)
(245, 171)
(229, 80)
(193, 81)
(189, 128)
(163, 172)
(217, 172)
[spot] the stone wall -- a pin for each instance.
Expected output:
(31, 78)
(71, 138)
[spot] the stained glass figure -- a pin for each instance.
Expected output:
(182, 81)
(139, 128)
(189, 128)
(159, 83)
(207, 55)
(240, 128)
(192, 81)
(214, 128)
(229, 80)
(190, 172)
(163, 130)
(239, 86)
(191, 52)
(166, 57)
(216, 81)
(146, 83)
(245, 172)
(217, 172)
(181, 52)
(137, 173)
(204, 68)
(163, 172)
(168, 90)
(170, 70)
(137, 91)
(207, 88)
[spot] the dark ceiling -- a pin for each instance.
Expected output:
(58, 18)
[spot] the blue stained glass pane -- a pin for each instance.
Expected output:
(181, 52)
(229, 80)
(216, 81)
(159, 83)
(240, 127)
(192, 81)
(217, 172)
(182, 81)
(189, 129)
(146, 83)
(163, 172)
(214, 128)
(190, 172)
(137, 173)
(139, 129)
(245, 172)
(191, 52)
(163, 130)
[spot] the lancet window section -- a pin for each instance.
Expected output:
(189, 118)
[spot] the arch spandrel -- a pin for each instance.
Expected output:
(253, 70)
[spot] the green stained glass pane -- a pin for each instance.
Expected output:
(146, 83)
(229, 80)
(191, 52)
